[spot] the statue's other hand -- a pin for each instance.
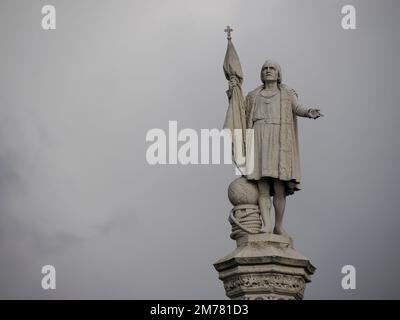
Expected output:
(314, 113)
(233, 82)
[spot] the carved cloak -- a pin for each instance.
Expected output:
(289, 158)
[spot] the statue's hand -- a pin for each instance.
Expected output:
(233, 82)
(314, 113)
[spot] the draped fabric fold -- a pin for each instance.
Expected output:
(235, 116)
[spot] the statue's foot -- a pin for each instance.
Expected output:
(265, 229)
(279, 230)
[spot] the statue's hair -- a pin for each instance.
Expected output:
(278, 68)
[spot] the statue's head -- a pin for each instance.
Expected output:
(271, 71)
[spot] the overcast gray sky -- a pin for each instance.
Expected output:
(76, 103)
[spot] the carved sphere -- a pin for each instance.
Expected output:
(242, 191)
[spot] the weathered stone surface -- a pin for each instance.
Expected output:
(242, 191)
(264, 266)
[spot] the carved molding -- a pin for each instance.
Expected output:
(268, 285)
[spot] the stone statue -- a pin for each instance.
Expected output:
(264, 264)
(271, 110)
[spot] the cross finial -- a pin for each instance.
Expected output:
(228, 31)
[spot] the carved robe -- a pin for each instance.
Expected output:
(280, 160)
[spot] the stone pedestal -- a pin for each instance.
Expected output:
(264, 267)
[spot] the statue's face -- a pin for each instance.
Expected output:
(269, 72)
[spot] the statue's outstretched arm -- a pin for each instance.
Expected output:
(301, 111)
(298, 108)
